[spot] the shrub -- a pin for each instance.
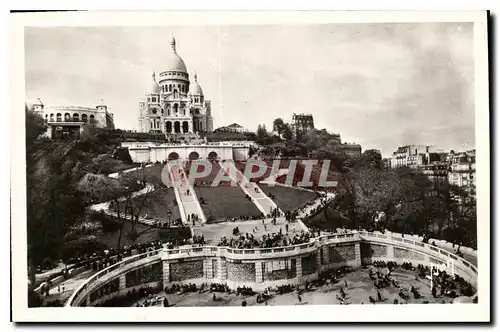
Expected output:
(132, 235)
(109, 225)
(47, 264)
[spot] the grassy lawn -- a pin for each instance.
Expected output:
(147, 234)
(226, 202)
(287, 198)
(152, 174)
(215, 169)
(156, 205)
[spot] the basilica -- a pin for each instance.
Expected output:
(174, 104)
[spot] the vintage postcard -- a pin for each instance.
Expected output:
(250, 167)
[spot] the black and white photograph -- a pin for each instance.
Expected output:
(286, 166)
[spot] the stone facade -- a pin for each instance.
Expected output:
(181, 271)
(174, 104)
(143, 275)
(341, 253)
(144, 152)
(241, 271)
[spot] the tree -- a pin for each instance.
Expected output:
(278, 126)
(287, 132)
(372, 158)
(35, 126)
(125, 201)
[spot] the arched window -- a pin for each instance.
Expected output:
(168, 127)
(84, 118)
(176, 108)
(170, 88)
(52, 117)
(46, 118)
(59, 117)
(67, 117)
(76, 117)
(91, 118)
(177, 127)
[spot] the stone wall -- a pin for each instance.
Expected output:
(309, 264)
(142, 152)
(241, 271)
(341, 253)
(143, 275)
(279, 269)
(110, 287)
(263, 268)
(370, 250)
(402, 253)
(186, 270)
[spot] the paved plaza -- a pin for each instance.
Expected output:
(360, 287)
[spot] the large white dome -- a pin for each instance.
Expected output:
(174, 62)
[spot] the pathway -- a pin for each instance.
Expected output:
(104, 206)
(259, 198)
(63, 291)
(184, 193)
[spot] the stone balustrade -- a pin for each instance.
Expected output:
(263, 267)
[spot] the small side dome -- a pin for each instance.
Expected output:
(195, 88)
(154, 88)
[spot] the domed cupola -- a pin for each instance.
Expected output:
(154, 88)
(175, 75)
(174, 61)
(195, 88)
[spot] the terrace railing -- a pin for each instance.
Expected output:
(254, 253)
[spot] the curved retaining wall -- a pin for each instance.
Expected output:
(261, 267)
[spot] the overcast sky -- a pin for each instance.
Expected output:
(380, 85)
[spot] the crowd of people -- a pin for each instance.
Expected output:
(199, 239)
(182, 289)
(100, 260)
(132, 296)
(443, 284)
(246, 291)
(249, 241)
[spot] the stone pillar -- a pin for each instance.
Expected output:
(319, 259)
(190, 126)
(166, 273)
(357, 254)
(123, 282)
(207, 268)
(326, 255)
(427, 260)
(299, 266)
(390, 251)
(259, 274)
(222, 269)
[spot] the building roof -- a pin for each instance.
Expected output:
(234, 125)
(195, 88)
(173, 61)
(154, 87)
